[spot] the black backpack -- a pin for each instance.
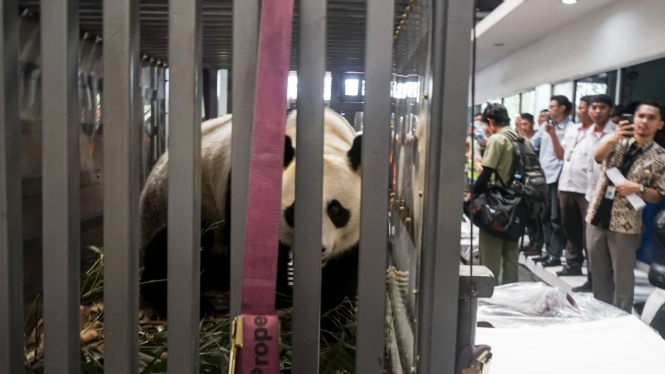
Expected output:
(498, 212)
(531, 185)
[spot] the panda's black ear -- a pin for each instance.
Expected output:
(289, 151)
(355, 152)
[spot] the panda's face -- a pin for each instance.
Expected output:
(340, 206)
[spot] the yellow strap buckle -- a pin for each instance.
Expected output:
(236, 342)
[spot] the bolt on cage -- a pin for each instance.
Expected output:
(444, 92)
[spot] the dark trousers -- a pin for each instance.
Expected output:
(613, 257)
(573, 211)
(534, 228)
(555, 238)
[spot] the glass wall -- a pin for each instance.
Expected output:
(566, 89)
(601, 84)
(528, 103)
(543, 95)
(512, 104)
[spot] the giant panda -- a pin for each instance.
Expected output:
(340, 209)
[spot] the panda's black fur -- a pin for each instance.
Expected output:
(341, 211)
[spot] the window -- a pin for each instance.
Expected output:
(543, 94)
(292, 86)
(351, 87)
(566, 89)
(528, 104)
(512, 104)
(327, 86)
(604, 83)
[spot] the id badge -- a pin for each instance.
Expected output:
(610, 192)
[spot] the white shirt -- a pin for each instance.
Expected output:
(576, 153)
(542, 142)
(593, 173)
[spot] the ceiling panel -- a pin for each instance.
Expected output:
(517, 23)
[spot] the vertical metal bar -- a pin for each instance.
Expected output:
(61, 185)
(452, 22)
(374, 197)
(11, 244)
(122, 138)
(245, 50)
(309, 186)
(184, 196)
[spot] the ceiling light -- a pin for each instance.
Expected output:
(569, 1)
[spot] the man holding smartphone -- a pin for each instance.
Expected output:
(614, 227)
(548, 142)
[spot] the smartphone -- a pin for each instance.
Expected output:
(550, 121)
(629, 118)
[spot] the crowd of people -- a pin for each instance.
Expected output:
(599, 172)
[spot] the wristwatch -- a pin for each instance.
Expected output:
(641, 189)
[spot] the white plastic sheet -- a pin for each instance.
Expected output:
(537, 304)
(465, 240)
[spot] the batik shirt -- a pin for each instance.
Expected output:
(648, 169)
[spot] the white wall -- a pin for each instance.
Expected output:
(624, 33)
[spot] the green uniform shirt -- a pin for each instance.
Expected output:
(499, 155)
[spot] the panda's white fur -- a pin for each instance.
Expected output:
(341, 182)
(215, 170)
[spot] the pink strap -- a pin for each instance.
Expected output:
(260, 354)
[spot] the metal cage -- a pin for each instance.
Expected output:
(443, 92)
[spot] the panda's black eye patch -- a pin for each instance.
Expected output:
(338, 214)
(289, 213)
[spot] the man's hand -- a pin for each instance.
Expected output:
(468, 196)
(624, 128)
(549, 128)
(628, 188)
